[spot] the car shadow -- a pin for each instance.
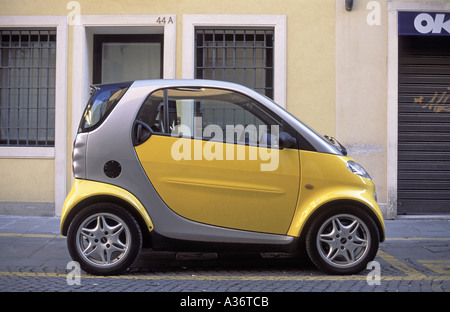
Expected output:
(162, 261)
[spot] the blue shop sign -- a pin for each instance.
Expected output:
(424, 23)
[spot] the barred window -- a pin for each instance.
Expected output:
(244, 56)
(27, 87)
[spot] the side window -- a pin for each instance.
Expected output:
(152, 112)
(210, 114)
(218, 115)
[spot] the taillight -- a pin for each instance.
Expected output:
(78, 156)
(73, 149)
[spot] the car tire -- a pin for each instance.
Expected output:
(104, 238)
(342, 240)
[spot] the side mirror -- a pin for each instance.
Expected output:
(285, 140)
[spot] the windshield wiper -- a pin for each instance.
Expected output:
(336, 142)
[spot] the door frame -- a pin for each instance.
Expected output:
(83, 32)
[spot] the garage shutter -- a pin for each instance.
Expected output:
(424, 125)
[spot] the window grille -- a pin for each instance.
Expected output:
(244, 56)
(27, 87)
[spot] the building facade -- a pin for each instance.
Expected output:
(374, 74)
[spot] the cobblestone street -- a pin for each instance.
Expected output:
(414, 258)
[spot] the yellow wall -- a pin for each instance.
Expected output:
(27, 180)
(361, 88)
(361, 96)
(310, 37)
(310, 67)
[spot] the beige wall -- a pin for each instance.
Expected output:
(340, 70)
(16, 173)
(366, 87)
(310, 37)
(310, 68)
(361, 89)
(27, 185)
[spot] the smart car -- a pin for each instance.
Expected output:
(211, 166)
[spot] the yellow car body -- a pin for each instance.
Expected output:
(83, 191)
(322, 183)
(317, 189)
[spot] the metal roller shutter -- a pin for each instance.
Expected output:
(424, 125)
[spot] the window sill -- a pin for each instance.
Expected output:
(27, 152)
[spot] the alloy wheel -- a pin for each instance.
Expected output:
(343, 240)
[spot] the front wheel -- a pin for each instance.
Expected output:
(342, 240)
(104, 238)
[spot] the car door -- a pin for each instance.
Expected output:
(213, 157)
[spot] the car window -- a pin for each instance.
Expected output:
(152, 112)
(211, 114)
(101, 103)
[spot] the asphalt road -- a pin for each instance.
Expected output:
(34, 258)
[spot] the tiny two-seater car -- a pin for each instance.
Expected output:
(199, 165)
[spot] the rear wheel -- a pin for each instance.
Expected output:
(342, 240)
(104, 238)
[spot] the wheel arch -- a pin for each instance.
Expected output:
(329, 205)
(145, 228)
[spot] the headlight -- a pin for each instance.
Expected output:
(358, 169)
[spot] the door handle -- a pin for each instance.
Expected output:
(141, 132)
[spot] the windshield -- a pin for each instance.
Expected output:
(103, 100)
